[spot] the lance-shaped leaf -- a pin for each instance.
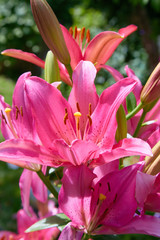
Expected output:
(50, 30)
(58, 220)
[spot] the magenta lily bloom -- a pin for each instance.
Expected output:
(85, 126)
(81, 129)
(98, 51)
(105, 207)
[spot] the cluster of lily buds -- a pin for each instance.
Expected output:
(78, 145)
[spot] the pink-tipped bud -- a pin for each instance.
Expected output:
(50, 30)
(152, 164)
(151, 90)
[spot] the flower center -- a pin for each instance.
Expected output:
(79, 35)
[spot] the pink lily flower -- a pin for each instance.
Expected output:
(105, 207)
(98, 51)
(84, 126)
(81, 130)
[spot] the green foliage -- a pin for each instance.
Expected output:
(59, 220)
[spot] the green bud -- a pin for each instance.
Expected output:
(121, 132)
(51, 69)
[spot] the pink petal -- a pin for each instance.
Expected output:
(38, 188)
(125, 147)
(75, 194)
(79, 152)
(25, 187)
(29, 57)
(64, 76)
(6, 131)
(102, 46)
(116, 75)
(103, 126)
(120, 203)
(84, 90)
(144, 185)
(69, 232)
(49, 106)
(24, 153)
(73, 48)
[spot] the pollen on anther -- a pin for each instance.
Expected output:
(77, 105)
(21, 111)
(65, 118)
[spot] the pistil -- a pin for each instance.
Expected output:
(77, 117)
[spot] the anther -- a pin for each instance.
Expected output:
(77, 105)
(17, 112)
(90, 109)
(8, 114)
(82, 34)
(21, 111)
(65, 116)
(71, 31)
(3, 117)
(75, 32)
(88, 38)
(90, 119)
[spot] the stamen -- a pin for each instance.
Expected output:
(17, 112)
(65, 116)
(90, 119)
(21, 111)
(3, 117)
(90, 110)
(88, 36)
(71, 31)
(77, 105)
(8, 114)
(75, 32)
(82, 34)
(102, 197)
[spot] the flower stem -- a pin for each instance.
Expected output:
(139, 123)
(136, 110)
(48, 184)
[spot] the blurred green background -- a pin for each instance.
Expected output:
(140, 51)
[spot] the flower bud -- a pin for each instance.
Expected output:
(152, 164)
(151, 90)
(50, 30)
(121, 132)
(51, 69)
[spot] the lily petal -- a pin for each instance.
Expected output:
(69, 232)
(75, 194)
(25, 56)
(73, 48)
(102, 46)
(49, 106)
(84, 90)
(124, 148)
(24, 153)
(103, 126)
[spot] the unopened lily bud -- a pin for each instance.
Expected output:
(121, 132)
(50, 30)
(151, 90)
(51, 69)
(152, 164)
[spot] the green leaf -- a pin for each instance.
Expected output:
(131, 102)
(59, 220)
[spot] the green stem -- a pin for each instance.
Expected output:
(136, 110)
(48, 184)
(85, 237)
(139, 123)
(121, 163)
(69, 69)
